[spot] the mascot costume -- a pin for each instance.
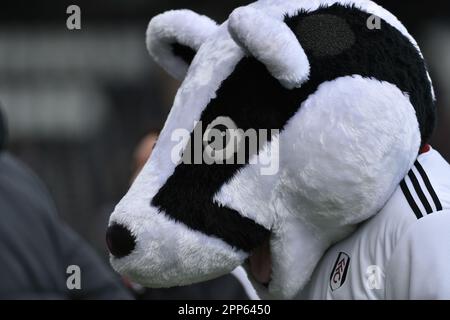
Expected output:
(343, 199)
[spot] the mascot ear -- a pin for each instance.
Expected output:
(272, 42)
(174, 37)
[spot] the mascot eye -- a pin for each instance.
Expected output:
(325, 34)
(221, 138)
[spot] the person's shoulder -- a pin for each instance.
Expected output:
(434, 227)
(426, 188)
(422, 201)
(435, 172)
(423, 192)
(420, 241)
(11, 167)
(418, 267)
(20, 184)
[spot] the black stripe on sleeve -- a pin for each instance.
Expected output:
(410, 200)
(419, 192)
(427, 182)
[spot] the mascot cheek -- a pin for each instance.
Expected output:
(355, 139)
(342, 156)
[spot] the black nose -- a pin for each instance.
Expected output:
(120, 241)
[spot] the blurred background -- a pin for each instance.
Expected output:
(78, 102)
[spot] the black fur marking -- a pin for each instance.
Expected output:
(184, 52)
(384, 54)
(254, 99)
(325, 34)
(120, 241)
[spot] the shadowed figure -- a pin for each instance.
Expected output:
(37, 249)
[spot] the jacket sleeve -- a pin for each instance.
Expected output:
(37, 248)
(419, 266)
(98, 282)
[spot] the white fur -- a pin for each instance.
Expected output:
(241, 275)
(183, 26)
(165, 247)
(273, 43)
(341, 157)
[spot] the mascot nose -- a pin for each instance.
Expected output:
(120, 241)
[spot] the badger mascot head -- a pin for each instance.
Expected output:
(336, 93)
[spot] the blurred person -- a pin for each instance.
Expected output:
(143, 152)
(234, 286)
(2, 132)
(36, 248)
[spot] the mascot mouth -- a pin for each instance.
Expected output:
(260, 264)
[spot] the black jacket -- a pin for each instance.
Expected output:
(2, 132)
(36, 248)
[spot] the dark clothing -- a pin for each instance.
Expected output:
(2, 131)
(36, 248)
